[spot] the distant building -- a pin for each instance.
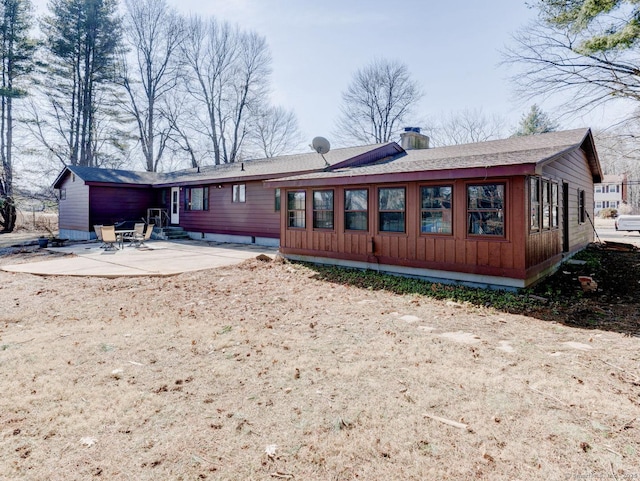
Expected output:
(610, 193)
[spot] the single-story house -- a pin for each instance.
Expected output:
(498, 213)
(226, 203)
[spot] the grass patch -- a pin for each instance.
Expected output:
(514, 302)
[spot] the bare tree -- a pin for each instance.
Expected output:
(466, 127)
(227, 74)
(179, 114)
(619, 154)
(153, 32)
(377, 102)
(551, 59)
(276, 132)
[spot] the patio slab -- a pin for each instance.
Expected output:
(159, 258)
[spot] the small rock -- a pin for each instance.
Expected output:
(88, 441)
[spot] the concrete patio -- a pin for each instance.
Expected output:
(158, 258)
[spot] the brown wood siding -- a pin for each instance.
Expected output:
(546, 244)
(254, 217)
(456, 252)
(74, 209)
(110, 205)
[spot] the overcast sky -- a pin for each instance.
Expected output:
(451, 48)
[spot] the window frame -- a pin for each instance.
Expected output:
(555, 204)
(348, 212)
(297, 210)
(501, 212)
(238, 193)
(535, 221)
(402, 211)
(321, 212)
(188, 198)
(445, 211)
(582, 218)
(277, 200)
(546, 204)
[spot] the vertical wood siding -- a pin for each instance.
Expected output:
(520, 254)
(546, 244)
(254, 217)
(74, 209)
(456, 252)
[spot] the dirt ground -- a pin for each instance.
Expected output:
(268, 371)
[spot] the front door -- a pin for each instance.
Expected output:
(175, 205)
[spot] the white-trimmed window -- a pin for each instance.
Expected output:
(239, 193)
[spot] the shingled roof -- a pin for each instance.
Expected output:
(258, 169)
(512, 156)
(108, 176)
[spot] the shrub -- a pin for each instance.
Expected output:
(608, 213)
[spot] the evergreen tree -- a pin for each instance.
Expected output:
(16, 51)
(535, 122)
(82, 39)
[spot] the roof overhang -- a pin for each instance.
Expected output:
(588, 147)
(415, 176)
(58, 182)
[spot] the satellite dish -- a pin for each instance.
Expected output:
(320, 145)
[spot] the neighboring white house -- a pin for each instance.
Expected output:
(610, 193)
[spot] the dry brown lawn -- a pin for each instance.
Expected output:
(263, 372)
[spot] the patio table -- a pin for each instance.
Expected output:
(121, 234)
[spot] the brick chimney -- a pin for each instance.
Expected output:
(412, 139)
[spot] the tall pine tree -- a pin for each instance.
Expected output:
(82, 38)
(16, 51)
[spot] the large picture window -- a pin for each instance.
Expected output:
(356, 209)
(391, 209)
(323, 209)
(296, 209)
(436, 210)
(197, 198)
(485, 209)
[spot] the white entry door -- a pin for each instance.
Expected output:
(175, 205)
